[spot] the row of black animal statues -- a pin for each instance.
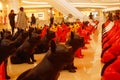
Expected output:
(24, 44)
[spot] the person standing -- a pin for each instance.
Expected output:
(51, 17)
(12, 20)
(91, 16)
(33, 20)
(22, 20)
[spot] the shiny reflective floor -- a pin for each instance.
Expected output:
(88, 68)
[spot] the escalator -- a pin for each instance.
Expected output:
(66, 8)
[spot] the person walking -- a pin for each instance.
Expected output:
(12, 20)
(22, 20)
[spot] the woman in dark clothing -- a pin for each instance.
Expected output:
(12, 20)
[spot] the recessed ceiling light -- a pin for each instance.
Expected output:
(30, 2)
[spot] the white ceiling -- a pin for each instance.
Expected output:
(95, 1)
(78, 1)
(102, 4)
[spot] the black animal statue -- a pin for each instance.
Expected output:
(7, 47)
(6, 34)
(51, 65)
(37, 30)
(17, 33)
(25, 51)
(70, 67)
(43, 45)
(21, 37)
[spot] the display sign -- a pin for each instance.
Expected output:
(41, 15)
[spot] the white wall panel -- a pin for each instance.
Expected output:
(14, 4)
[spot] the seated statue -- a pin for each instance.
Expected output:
(24, 53)
(55, 59)
(7, 46)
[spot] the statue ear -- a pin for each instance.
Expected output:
(30, 35)
(47, 31)
(53, 46)
(1, 33)
(3, 30)
(72, 35)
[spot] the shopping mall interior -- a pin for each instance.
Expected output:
(98, 59)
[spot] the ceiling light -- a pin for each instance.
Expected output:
(102, 4)
(30, 2)
(0, 5)
(111, 9)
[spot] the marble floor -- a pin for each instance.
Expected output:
(88, 68)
